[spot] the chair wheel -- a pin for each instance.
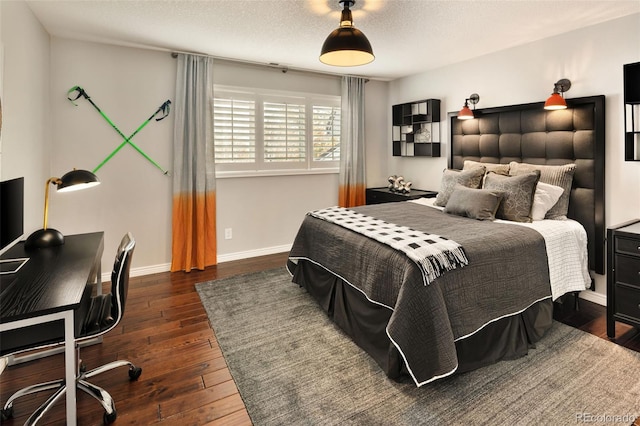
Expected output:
(6, 413)
(135, 372)
(109, 418)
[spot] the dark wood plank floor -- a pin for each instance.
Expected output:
(185, 379)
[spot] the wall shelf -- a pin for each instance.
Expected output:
(416, 129)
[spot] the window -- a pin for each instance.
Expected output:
(258, 131)
(234, 130)
(285, 132)
(326, 133)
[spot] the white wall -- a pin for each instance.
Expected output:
(591, 58)
(45, 135)
(26, 139)
(129, 84)
(265, 212)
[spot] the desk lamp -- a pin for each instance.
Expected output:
(71, 181)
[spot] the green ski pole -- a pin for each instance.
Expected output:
(127, 140)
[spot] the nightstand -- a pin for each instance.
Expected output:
(383, 195)
(623, 275)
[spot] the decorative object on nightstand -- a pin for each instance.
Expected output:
(416, 129)
(632, 112)
(385, 195)
(623, 275)
(398, 184)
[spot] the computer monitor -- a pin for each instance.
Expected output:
(11, 212)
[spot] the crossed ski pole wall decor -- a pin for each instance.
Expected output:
(164, 109)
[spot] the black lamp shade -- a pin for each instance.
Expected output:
(346, 47)
(77, 179)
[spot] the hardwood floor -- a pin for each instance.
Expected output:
(185, 379)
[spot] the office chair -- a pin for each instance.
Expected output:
(100, 316)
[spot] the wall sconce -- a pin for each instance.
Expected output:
(346, 46)
(556, 100)
(466, 113)
(71, 181)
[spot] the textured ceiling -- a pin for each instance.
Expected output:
(408, 36)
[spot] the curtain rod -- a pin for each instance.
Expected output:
(283, 68)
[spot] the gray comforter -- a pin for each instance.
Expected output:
(507, 273)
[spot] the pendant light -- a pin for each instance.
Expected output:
(466, 113)
(556, 100)
(346, 46)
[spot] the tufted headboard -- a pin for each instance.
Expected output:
(529, 134)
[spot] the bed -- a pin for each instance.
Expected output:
(493, 298)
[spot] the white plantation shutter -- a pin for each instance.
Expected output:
(326, 133)
(234, 125)
(284, 132)
(258, 130)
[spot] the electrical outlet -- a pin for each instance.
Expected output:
(228, 233)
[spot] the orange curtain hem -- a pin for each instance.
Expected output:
(194, 232)
(352, 195)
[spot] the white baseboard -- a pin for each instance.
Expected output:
(253, 253)
(594, 297)
(140, 271)
(166, 267)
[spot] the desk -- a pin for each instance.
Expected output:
(49, 288)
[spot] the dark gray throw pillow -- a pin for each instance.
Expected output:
(450, 178)
(480, 204)
(561, 176)
(518, 194)
(501, 169)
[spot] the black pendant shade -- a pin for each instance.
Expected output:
(346, 46)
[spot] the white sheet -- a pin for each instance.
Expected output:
(567, 254)
(566, 242)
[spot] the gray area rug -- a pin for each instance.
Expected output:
(292, 365)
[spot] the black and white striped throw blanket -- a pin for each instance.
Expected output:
(432, 253)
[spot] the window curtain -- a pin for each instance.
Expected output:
(194, 185)
(352, 169)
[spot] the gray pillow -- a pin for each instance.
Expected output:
(518, 194)
(450, 178)
(561, 176)
(501, 169)
(480, 204)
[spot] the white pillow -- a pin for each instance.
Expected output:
(545, 197)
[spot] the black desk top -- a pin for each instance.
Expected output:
(53, 279)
